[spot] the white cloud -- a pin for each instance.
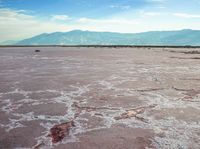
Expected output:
(108, 21)
(152, 14)
(186, 15)
(60, 17)
(158, 1)
(124, 7)
(168, 14)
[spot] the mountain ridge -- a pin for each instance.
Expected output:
(79, 37)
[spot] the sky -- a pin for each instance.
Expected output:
(20, 19)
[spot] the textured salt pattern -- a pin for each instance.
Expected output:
(98, 89)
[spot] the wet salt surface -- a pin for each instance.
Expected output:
(117, 98)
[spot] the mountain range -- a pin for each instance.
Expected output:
(78, 37)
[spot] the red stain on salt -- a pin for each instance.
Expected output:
(58, 132)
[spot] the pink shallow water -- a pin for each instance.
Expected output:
(116, 97)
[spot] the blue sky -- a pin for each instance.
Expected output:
(21, 19)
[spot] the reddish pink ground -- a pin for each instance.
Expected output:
(116, 97)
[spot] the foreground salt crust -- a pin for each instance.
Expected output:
(114, 97)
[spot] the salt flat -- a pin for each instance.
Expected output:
(117, 98)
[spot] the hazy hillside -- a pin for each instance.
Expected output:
(78, 37)
(8, 42)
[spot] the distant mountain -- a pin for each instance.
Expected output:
(78, 37)
(8, 42)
